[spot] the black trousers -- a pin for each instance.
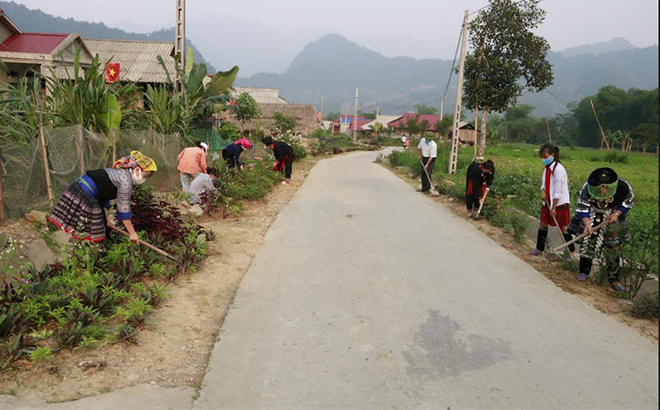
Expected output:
(426, 184)
(288, 165)
(231, 161)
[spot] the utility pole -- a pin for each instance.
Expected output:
(355, 121)
(322, 108)
(377, 111)
(180, 37)
(442, 106)
(453, 155)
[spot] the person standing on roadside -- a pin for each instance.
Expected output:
(427, 151)
(555, 197)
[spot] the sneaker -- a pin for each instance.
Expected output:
(582, 277)
(286, 182)
(535, 252)
(617, 286)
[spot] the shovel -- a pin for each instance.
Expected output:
(552, 256)
(153, 248)
(577, 238)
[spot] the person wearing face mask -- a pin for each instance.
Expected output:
(80, 210)
(427, 152)
(555, 197)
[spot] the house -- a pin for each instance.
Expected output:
(345, 123)
(261, 95)
(402, 121)
(27, 54)
(466, 133)
(380, 119)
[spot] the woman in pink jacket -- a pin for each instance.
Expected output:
(192, 161)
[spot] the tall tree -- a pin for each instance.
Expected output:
(507, 58)
(426, 109)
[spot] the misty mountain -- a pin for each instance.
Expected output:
(333, 66)
(616, 44)
(37, 21)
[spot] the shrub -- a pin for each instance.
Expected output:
(646, 305)
(41, 353)
(298, 149)
(616, 157)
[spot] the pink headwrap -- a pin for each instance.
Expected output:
(244, 142)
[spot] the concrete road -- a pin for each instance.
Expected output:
(368, 295)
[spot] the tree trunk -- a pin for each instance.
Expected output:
(482, 140)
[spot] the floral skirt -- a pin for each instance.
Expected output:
(79, 214)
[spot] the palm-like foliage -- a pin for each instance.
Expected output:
(20, 107)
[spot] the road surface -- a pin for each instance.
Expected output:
(367, 294)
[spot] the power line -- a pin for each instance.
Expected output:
(453, 64)
(557, 98)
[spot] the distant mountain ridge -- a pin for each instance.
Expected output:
(333, 66)
(37, 21)
(616, 44)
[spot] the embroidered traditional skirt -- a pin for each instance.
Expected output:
(79, 214)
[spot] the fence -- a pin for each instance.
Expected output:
(69, 152)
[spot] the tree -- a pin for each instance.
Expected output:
(426, 109)
(507, 58)
(377, 128)
(368, 115)
(284, 123)
(443, 125)
(245, 108)
(412, 126)
(332, 115)
(647, 135)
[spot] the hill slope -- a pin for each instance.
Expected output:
(332, 66)
(36, 20)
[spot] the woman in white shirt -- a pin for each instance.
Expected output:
(555, 196)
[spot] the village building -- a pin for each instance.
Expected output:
(30, 54)
(466, 133)
(401, 122)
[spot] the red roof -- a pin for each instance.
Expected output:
(34, 43)
(360, 123)
(431, 119)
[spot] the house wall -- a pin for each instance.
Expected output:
(5, 33)
(305, 115)
(467, 135)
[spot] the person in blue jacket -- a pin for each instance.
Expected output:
(232, 152)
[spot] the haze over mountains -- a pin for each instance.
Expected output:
(332, 66)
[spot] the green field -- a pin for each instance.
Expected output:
(519, 171)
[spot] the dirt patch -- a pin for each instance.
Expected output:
(601, 298)
(174, 349)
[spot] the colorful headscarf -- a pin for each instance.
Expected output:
(136, 160)
(244, 142)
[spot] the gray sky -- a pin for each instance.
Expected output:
(261, 35)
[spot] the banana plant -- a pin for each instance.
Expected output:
(201, 97)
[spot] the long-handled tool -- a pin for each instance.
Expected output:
(425, 171)
(481, 205)
(153, 248)
(579, 237)
(554, 218)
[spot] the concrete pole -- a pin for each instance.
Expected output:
(453, 155)
(322, 107)
(355, 121)
(180, 37)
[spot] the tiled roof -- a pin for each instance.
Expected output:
(33, 43)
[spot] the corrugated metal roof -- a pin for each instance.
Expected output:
(33, 43)
(261, 95)
(430, 119)
(380, 119)
(137, 59)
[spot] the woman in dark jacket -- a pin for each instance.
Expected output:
(284, 156)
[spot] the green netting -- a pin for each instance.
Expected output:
(211, 137)
(72, 151)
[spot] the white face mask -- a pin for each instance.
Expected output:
(137, 176)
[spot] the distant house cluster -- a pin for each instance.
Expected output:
(399, 124)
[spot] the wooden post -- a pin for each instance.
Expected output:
(476, 128)
(80, 148)
(44, 154)
(599, 127)
(549, 135)
(113, 133)
(2, 197)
